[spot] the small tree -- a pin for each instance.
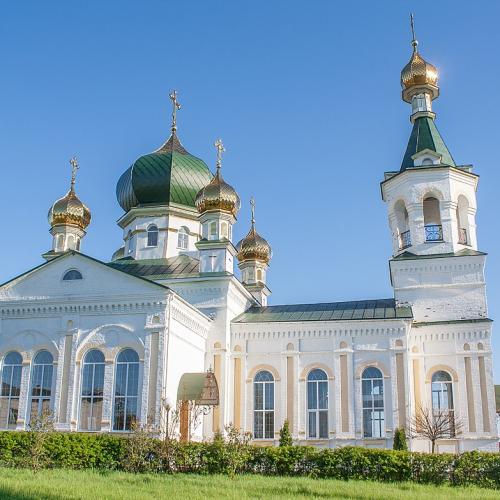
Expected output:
(435, 425)
(285, 435)
(400, 440)
(39, 428)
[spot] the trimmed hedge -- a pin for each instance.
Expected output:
(105, 451)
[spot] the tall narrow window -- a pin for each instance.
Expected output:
(372, 384)
(41, 384)
(126, 389)
(317, 404)
(263, 415)
(432, 220)
(10, 390)
(183, 238)
(152, 236)
(224, 230)
(92, 391)
(442, 392)
(131, 242)
(212, 231)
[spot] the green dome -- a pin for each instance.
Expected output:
(169, 175)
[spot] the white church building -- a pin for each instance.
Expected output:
(103, 345)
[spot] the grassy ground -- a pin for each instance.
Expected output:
(59, 484)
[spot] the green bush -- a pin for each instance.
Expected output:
(286, 435)
(400, 440)
(233, 455)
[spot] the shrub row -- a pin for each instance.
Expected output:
(144, 454)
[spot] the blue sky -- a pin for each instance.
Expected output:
(305, 95)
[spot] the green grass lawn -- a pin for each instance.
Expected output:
(57, 484)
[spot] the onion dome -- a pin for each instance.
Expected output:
(218, 194)
(253, 246)
(69, 210)
(169, 175)
(418, 71)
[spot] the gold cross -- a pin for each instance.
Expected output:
(176, 105)
(252, 204)
(74, 168)
(220, 149)
(414, 41)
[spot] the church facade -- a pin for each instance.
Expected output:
(104, 345)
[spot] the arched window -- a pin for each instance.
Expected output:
(212, 231)
(317, 404)
(442, 391)
(72, 274)
(432, 220)
(131, 242)
(372, 387)
(71, 241)
(259, 274)
(92, 391)
(403, 226)
(183, 238)
(463, 220)
(59, 243)
(152, 236)
(224, 230)
(10, 390)
(263, 406)
(41, 384)
(126, 389)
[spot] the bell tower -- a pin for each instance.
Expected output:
(431, 200)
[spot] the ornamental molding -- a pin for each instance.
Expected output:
(416, 266)
(22, 308)
(256, 332)
(439, 336)
(186, 319)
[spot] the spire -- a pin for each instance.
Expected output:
(220, 149)
(175, 107)
(74, 169)
(252, 204)
(414, 40)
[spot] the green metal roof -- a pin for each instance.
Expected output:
(157, 269)
(333, 311)
(425, 135)
(466, 252)
(169, 175)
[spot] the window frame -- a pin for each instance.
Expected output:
(127, 398)
(76, 272)
(264, 417)
(152, 232)
(41, 398)
(317, 411)
(183, 238)
(376, 413)
(16, 371)
(93, 398)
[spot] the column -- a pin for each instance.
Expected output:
(217, 373)
(66, 365)
(107, 405)
(153, 376)
(470, 394)
(290, 384)
(237, 393)
(401, 395)
(24, 396)
(344, 393)
(484, 395)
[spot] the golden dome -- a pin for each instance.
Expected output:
(254, 247)
(69, 210)
(418, 71)
(218, 195)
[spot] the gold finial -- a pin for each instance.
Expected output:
(74, 169)
(414, 40)
(252, 204)
(220, 149)
(176, 105)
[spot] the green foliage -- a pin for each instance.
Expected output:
(400, 440)
(231, 454)
(286, 435)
